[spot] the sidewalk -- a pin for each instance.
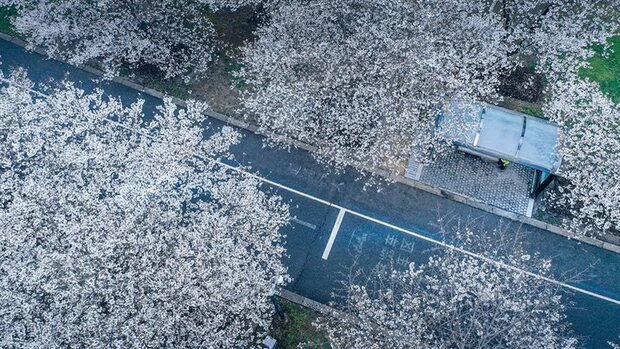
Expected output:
(480, 179)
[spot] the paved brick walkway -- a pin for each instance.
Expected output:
(480, 179)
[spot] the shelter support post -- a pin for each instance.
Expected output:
(540, 186)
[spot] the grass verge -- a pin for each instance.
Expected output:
(521, 106)
(6, 15)
(549, 217)
(295, 328)
(232, 67)
(605, 68)
(169, 87)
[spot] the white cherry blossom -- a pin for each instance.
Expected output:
(121, 233)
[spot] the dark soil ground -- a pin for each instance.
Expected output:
(219, 87)
(523, 91)
(523, 84)
(551, 212)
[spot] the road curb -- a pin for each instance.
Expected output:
(379, 172)
(306, 302)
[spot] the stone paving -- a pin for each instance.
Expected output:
(480, 179)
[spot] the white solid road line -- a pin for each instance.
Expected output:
(389, 225)
(419, 236)
(486, 259)
(332, 236)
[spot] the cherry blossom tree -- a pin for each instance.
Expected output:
(452, 301)
(589, 144)
(122, 233)
(364, 81)
(171, 35)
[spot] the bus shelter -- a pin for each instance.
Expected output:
(496, 133)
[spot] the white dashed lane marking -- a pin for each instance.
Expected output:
(332, 236)
(304, 223)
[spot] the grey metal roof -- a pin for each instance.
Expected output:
(503, 133)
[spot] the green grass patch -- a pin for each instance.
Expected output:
(297, 329)
(7, 13)
(521, 106)
(168, 87)
(605, 68)
(548, 217)
(534, 111)
(232, 67)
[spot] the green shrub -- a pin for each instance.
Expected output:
(6, 14)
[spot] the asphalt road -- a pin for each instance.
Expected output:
(339, 226)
